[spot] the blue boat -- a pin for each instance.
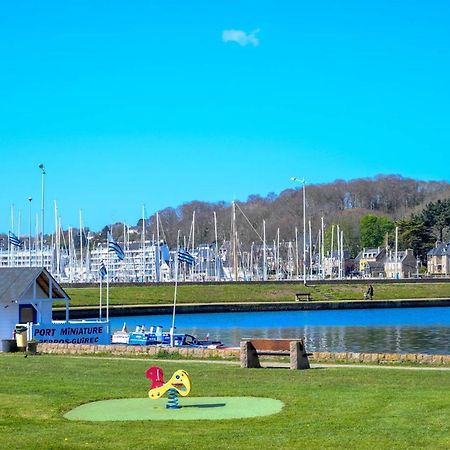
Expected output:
(156, 336)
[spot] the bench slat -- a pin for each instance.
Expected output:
(271, 344)
(272, 353)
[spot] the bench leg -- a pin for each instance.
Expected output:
(298, 356)
(249, 356)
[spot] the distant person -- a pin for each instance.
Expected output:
(369, 293)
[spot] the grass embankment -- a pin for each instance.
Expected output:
(270, 292)
(327, 408)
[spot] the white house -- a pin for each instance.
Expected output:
(404, 267)
(439, 259)
(26, 295)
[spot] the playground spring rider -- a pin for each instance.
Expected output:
(179, 384)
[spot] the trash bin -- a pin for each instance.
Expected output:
(21, 337)
(7, 345)
(32, 347)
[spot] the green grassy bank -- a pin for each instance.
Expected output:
(270, 292)
(326, 408)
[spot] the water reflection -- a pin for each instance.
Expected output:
(406, 330)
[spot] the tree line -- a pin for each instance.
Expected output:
(367, 210)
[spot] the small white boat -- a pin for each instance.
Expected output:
(121, 337)
(156, 336)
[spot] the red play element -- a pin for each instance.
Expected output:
(155, 374)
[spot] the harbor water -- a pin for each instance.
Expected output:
(399, 330)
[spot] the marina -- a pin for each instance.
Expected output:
(404, 330)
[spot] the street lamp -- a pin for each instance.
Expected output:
(29, 234)
(302, 180)
(41, 166)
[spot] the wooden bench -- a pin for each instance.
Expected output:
(299, 295)
(252, 349)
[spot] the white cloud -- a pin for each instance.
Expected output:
(241, 37)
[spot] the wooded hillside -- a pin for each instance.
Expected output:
(340, 202)
(414, 205)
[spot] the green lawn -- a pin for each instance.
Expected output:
(324, 408)
(270, 292)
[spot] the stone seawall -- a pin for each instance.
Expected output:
(200, 353)
(135, 350)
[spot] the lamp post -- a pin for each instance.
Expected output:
(302, 180)
(41, 166)
(29, 234)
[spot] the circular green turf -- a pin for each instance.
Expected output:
(192, 408)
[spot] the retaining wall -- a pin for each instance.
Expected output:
(151, 351)
(132, 350)
(142, 310)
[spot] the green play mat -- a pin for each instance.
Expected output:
(192, 408)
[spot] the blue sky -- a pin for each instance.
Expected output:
(164, 102)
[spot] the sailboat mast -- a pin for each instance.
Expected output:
(60, 233)
(278, 254)
(310, 250)
(158, 254)
(216, 260)
(143, 243)
(338, 237)
(331, 251)
(296, 250)
(319, 268)
(19, 218)
(322, 248)
(193, 243)
(233, 230)
(264, 252)
(397, 274)
(55, 208)
(12, 218)
(36, 241)
(304, 232)
(124, 267)
(70, 255)
(9, 244)
(81, 243)
(30, 199)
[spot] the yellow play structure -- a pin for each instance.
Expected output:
(179, 384)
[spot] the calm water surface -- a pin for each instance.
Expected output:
(402, 330)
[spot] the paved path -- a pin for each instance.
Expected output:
(270, 364)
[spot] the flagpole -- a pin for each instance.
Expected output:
(172, 329)
(107, 289)
(100, 312)
(9, 251)
(81, 275)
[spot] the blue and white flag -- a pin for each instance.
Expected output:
(185, 256)
(113, 246)
(14, 240)
(102, 270)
